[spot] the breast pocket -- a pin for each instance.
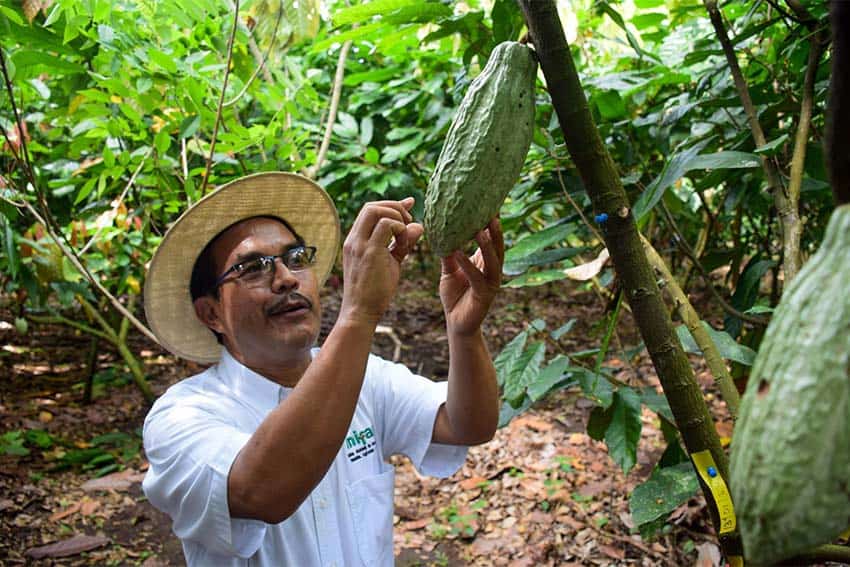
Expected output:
(371, 502)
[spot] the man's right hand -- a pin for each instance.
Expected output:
(382, 236)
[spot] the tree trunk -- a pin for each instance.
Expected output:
(602, 182)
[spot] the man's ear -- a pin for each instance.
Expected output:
(206, 308)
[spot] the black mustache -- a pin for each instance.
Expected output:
(293, 299)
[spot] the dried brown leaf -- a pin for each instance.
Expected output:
(68, 547)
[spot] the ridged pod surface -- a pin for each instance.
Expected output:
(790, 462)
(484, 150)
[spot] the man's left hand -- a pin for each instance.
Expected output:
(469, 284)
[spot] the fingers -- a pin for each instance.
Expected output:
(491, 246)
(372, 213)
(405, 241)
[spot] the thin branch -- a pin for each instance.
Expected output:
(117, 202)
(221, 97)
(261, 62)
(686, 248)
(785, 14)
(792, 224)
(804, 17)
(335, 95)
(59, 319)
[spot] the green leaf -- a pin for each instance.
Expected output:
(37, 62)
(726, 345)
(725, 160)
(550, 378)
(537, 278)
(162, 141)
(595, 387)
(506, 360)
(87, 188)
(507, 20)
(189, 126)
(372, 156)
(524, 372)
(563, 329)
(772, 148)
(666, 490)
(507, 412)
(367, 129)
(674, 169)
(747, 291)
(599, 421)
(12, 15)
(606, 8)
(163, 60)
(516, 258)
(361, 12)
(623, 433)
(610, 105)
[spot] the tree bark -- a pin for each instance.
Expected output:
(602, 182)
(838, 115)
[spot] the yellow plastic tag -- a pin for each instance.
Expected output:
(736, 561)
(707, 470)
(845, 536)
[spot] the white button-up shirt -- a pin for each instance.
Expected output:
(195, 430)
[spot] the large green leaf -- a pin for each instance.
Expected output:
(361, 12)
(595, 387)
(537, 278)
(31, 63)
(746, 292)
(666, 490)
(554, 376)
(506, 360)
(725, 160)
(524, 372)
(623, 433)
(673, 170)
(726, 345)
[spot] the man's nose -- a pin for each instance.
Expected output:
(282, 277)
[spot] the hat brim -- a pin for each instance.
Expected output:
(168, 301)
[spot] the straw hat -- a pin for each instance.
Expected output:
(168, 301)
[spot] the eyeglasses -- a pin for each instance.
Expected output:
(259, 271)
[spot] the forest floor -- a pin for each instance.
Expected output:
(542, 492)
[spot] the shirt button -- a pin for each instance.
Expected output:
(324, 504)
(332, 564)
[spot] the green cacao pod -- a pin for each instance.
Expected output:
(484, 150)
(790, 462)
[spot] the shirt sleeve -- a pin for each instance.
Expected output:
(408, 405)
(190, 452)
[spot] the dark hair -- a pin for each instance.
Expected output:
(205, 272)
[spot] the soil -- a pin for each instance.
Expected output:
(541, 493)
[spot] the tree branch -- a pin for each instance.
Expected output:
(221, 97)
(838, 115)
(693, 322)
(792, 226)
(335, 95)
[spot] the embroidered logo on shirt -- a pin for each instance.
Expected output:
(359, 444)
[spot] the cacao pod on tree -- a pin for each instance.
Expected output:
(790, 462)
(484, 150)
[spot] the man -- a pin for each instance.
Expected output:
(277, 455)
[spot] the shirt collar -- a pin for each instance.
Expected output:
(249, 386)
